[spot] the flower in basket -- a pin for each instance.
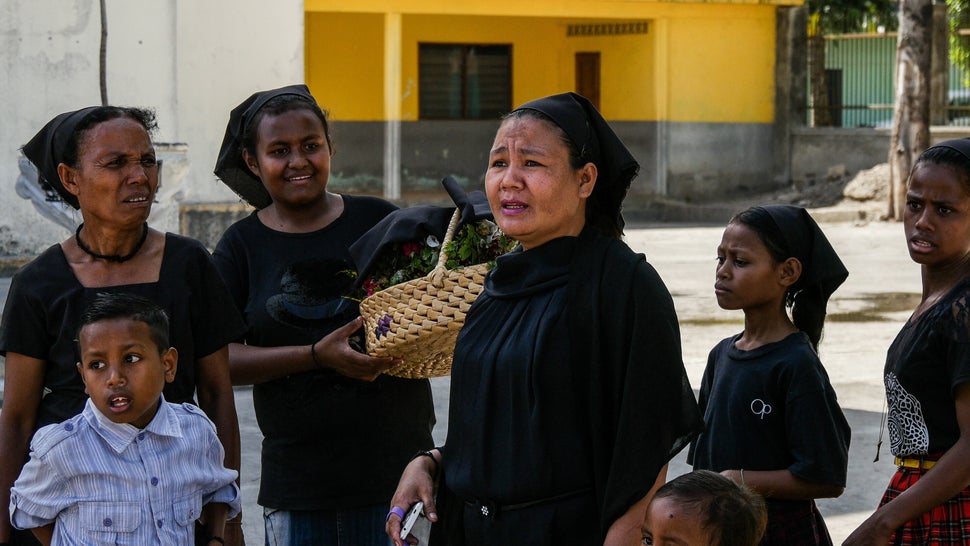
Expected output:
(409, 313)
(474, 243)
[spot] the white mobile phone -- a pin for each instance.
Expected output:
(411, 518)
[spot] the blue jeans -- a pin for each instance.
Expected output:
(356, 527)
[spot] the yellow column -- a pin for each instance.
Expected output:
(392, 105)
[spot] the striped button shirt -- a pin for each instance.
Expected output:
(111, 483)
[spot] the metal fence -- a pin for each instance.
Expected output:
(859, 82)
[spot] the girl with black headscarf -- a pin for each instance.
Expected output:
(772, 421)
(568, 391)
(336, 431)
(101, 161)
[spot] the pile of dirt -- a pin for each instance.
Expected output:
(868, 185)
(866, 191)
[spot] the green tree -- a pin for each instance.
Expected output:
(839, 17)
(851, 16)
(958, 15)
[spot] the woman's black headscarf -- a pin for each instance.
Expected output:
(48, 148)
(597, 143)
(231, 168)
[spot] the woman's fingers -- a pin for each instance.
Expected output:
(334, 351)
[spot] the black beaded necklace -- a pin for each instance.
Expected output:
(117, 258)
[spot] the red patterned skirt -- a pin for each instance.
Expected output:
(948, 523)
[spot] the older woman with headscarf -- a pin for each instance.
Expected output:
(101, 161)
(568, 390)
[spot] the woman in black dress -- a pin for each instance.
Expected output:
(568, 393)
(101, 161)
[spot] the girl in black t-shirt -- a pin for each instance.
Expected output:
(927, 372)
(332, 447)
(772, 421)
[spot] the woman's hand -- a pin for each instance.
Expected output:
(949, 476)
(334, 352)
(627, 530)
(416, 485)
(870, 533)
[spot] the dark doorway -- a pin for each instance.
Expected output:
(588, 76)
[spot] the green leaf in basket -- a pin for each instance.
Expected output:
(470, 245)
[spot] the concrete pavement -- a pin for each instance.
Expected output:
(864, 316)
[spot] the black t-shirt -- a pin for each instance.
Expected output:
(928, 359)
(45, 302)
(329, 441)
(771, 408)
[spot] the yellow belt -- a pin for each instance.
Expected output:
(915, 463)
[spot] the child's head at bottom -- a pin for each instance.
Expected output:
(125, 357)
(704, 508)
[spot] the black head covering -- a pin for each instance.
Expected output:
(230, 166)
(821, 266)
(46, 150)
(597, 143)
(959, 145)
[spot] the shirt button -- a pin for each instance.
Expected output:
(159, 522)
(68, 426)
(154, 481)
(107, 522)
(141, 436)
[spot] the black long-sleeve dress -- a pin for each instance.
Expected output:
(568, 394)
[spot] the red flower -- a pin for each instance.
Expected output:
(410, 249)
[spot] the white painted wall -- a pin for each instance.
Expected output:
(191, 60)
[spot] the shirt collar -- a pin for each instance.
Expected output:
(120, 435)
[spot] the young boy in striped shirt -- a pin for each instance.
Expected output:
(131, 468)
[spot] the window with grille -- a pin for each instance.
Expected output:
(461, 81)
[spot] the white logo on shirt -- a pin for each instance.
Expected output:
(760, 407)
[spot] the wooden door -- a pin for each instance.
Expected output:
(588, 76)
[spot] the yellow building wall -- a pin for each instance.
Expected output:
(627, 66)
(344, 60)
(697, 62)
(721, 70)
(536, 55)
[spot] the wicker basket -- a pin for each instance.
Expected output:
(418, 320)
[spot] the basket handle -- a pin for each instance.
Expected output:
(439, 269)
